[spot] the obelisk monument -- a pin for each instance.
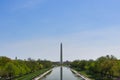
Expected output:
(61, 54)
(61, 62)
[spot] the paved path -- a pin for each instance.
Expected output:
(85, 78)
(41, 76)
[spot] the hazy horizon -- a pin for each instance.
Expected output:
(35, 28)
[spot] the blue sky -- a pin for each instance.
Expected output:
(35, 28)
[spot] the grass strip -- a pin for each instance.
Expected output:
(84, 73)
(30, 76)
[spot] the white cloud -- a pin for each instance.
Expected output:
(32, 48)
(84, 45)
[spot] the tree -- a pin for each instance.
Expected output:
(103, 68)
(11, 70)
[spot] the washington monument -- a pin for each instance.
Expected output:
(61, 54)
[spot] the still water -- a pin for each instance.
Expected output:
(61, 73)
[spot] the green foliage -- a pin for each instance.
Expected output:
(30, 76)
(46, 63)
(4, 60)
(105, 67)
(10, 69)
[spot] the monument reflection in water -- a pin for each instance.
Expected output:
(61, 63)
(61, 73)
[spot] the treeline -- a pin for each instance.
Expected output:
(103, 68)
(10, 69)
